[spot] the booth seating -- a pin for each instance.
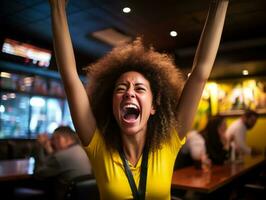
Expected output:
(24, 193)
(82, 188)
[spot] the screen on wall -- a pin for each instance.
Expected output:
(30, 53)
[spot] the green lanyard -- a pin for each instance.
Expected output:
(138, 194)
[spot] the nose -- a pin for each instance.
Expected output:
(130, 93)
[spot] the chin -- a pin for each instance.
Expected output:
(130, 131)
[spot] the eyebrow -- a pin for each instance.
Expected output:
(140, 84)
(126, 83)
(121, 83)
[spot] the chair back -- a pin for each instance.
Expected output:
(82, 188)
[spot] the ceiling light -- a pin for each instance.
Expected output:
(126, 10)
(245, 72)
(173, 33)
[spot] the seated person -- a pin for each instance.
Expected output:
(237, 132)
(209, 143)
(215, 140)
(65, 158)
(195, 148)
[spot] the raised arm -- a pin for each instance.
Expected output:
(202, 65)
(78, 100)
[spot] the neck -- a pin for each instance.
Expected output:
(133, 147)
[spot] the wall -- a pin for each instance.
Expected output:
(256, 137)
(230, 98)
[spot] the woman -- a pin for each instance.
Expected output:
(215, 140)
(131, 124)
(207, 145)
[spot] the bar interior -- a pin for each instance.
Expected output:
(33, 102)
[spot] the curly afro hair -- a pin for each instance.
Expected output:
(166, 83)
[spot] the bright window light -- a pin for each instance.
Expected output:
(2, 109)
(11, 95)
(4, 97)
(37, 102)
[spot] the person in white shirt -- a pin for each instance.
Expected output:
(195, 144)
(209, 143)
(237, 132)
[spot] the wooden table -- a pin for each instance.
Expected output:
(16, 169)
(190, 178)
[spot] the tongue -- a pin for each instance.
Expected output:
(130, 117)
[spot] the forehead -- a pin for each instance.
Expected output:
(132, 77)
(223, 123)
(55, 136)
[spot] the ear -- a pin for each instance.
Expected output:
(153, 110)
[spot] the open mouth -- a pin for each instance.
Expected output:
(130, 112)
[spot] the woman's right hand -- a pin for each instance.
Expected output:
(78, 101)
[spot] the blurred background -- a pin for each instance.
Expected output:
(32, 97)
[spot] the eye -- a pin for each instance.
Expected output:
(140, 89)
(120, 88)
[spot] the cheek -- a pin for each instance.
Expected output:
(56, 145)
(150, 102)
(116, 105)
(147, 105)
(222, 130)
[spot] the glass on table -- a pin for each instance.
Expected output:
(203, 164)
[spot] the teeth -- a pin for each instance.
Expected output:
(131, 106)
(128, 106)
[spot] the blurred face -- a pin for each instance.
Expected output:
(59, 142)
(251, 121)
(132, 103)
(222, 129)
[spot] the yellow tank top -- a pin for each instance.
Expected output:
(112, 181)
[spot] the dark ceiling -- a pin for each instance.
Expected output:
(243, 43)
